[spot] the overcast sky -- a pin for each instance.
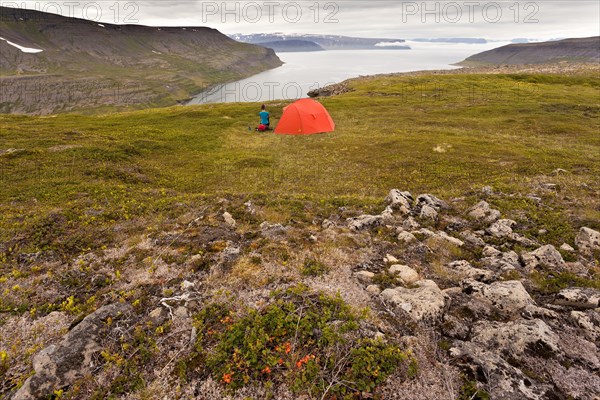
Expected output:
(496, 20)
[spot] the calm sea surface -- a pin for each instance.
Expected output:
(305, 71)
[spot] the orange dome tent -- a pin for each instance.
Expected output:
(304, 117)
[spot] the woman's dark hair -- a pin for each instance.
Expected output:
(264, 107)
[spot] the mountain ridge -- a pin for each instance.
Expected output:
(163, 64)
(575, 49)
(328, 42)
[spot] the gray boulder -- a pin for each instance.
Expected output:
(489, 251)
(364, 222)
(580, 298)
(466, 270)
(500, 262)
(482, 212)
(509, 297)
(428, 212)
(522, 240)
(505, 382)
(426, 303)
(544, 256)
(583, 320)
(406, 274)
(516, 338)
(501, 228)
(364, 276)
(587, 240)
(406, 237)
(450, 239)
(400, 201)
(410, 224)
(566, 247)
(272, 231)
(229, 221)
(430, 200)
(60, 365)
(472, 239)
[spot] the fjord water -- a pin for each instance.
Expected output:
(311, 70)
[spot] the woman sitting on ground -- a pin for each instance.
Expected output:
(264, 117)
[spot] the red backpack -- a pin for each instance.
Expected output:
(261, 128)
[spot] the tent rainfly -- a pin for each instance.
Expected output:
(305, 117)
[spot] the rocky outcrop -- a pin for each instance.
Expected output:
(466, 270)
(510, 297)
(431, 201)
(482, 212)
(588, 240)
(546, 256)
(401, 201)
(364, 222)
(579, 298)
(506, 381)
(58, 366)
(501, 228)
(406, 274)
(516, 338)
(424, 303)
(229, 220)
(500, 262)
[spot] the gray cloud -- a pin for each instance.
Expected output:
(499, 20)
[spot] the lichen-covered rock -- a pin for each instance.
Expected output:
(373, 289)
(364, 222)
(454, 328)
(428, 212)
(544, 256)
(406, 237)
(466, 270)
(484, 213)
(534, 312)
(505, 382)
(229, 221)
(450, 239)
(508, 296)
(364, 276)
(408, 275)
(581, 298)
(390, 259)
(576, 348)
(566, 247)
(425, 303)
(516, 338)
(326, 224)
(501, 262)
(587, 240)
(58, 366)
(387, 215)
(472, 239)
(400, 201)
(501, 228)
(430, 200)
(410, 224)
(585, 323)
(272, 231)
(522, 240)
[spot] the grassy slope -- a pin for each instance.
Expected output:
(501, 131)
(509, 132)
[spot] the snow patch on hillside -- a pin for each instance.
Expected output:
(22, 48)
